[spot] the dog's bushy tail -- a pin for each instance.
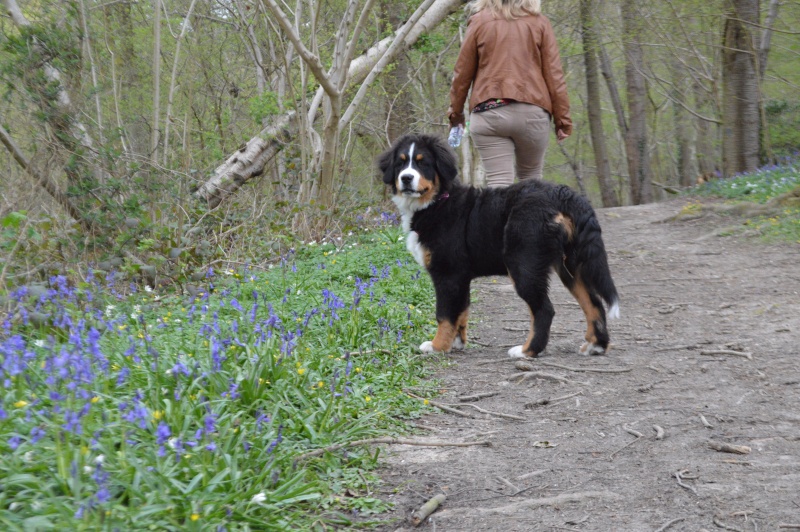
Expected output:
(586, 257)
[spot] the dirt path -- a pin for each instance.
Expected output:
(576, 463)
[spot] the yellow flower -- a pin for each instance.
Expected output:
(95, 399)
(320, 384)
(195, 517)
(425, 402)
(300, 371)
(368, 398)
(358, 370)
(158, 414)
(20, 403)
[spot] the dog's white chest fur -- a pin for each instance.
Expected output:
(415, 248)
(407, 207)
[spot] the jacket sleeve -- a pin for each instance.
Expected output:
(554, 78)
(463, 75)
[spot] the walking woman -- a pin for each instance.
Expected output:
(510, 59)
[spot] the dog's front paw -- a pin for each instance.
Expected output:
(592, 349)
(517, 352)
(427, 347)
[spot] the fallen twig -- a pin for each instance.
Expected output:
(419, 515)
(716, 520)
(558, 500)
(509, 484)
(440, 406)
(678, 476)
(747, 355)
(490, 412)
(738, 462)
(659, 432)
(705, 422)
(670, 523)
(629, 430)
(525, 375)
(477, 396)
(728, 448)
(532, 474)
(789, 525)
(392, 441)
(547, 401)
(586, 370)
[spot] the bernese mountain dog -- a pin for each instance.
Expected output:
(524, 231)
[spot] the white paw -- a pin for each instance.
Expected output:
(516, 352)
(457, 343)
(592, 349)
(427, 347)
(613, 312)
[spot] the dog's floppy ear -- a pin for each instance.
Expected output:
(386, 164)
(446, 161)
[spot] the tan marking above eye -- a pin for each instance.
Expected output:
(403, 157)
(419, 157)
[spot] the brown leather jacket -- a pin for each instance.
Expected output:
(516, 59)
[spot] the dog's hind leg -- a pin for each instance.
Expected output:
(532, 287)
(596, 332)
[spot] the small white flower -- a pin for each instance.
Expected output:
(28, 457)
(148, 288)
(258, 498)
(88, 470)
(100, 459)
(38, 343)
(109, 309)
(14, 506)
(171, 442)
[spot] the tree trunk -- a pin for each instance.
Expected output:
(687, 172)
(636, 147)
(741, 139)
(249, 161)
(594, 109)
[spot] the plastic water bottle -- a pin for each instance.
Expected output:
(454, 139)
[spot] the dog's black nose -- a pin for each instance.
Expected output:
(406, 179)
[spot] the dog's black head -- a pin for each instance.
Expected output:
(419, 167)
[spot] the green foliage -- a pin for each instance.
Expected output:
(263, 106)
(157, 411)
(760, 187)
(783, 118)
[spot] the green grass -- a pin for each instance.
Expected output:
(157, 411)
(759, 187)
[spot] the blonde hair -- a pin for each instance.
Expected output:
(508, 9)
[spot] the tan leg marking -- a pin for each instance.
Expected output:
(461, 326)
(530, 333)
(445, 335)
(581, 294)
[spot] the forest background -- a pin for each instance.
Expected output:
(139, 134)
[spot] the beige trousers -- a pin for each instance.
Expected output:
(511, 140)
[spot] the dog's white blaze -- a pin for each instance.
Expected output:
(457, 343)
(516, 352)
(409, 171)
(415, 248)
(613, 312)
